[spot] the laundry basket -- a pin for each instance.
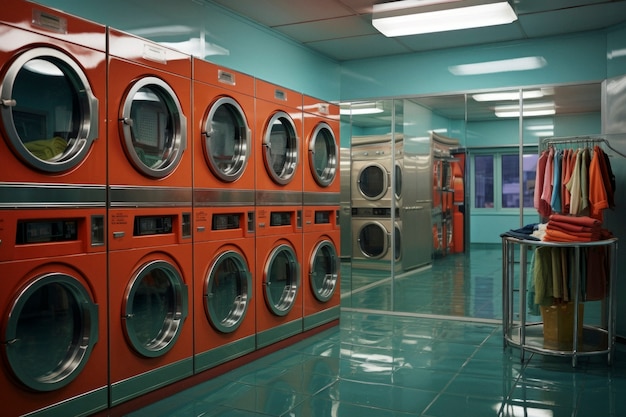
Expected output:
(558, 325)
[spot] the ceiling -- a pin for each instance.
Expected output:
(342, 29)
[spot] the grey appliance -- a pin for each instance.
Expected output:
(376, 239)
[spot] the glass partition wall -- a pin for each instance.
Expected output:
(428, 180)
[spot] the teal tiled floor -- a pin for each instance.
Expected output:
(419, 364)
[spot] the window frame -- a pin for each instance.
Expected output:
(497, 154)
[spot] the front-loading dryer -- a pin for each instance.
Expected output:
(376, 176)
(52, 115)
(278, 273)
(279, 133)
(321, 265)
(149, 102)
(53, 306)
(376, 238)
(320, 152)
(223, 304)
(223, 103)
(150, 282)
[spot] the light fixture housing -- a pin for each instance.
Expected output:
(413, 17)
(355, 109)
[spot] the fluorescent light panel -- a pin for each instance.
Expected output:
(507, 95)
(408, 17)
(526, 113)
(361, 108)
(526, 106)
(503, 65)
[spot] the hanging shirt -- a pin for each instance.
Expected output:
(539, 174)
(608, 179)
(598, 200)
(546, 193)
(584, 183)
(573, 185)
(555, 201)
(566, 168)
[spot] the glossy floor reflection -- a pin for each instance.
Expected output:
(418, 365)
(460, 285)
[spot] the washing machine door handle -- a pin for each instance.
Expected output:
(127, 121)
(9, 102)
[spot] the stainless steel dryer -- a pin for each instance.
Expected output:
(376, 238)
(371, 166)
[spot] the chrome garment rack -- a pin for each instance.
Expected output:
(590, 140)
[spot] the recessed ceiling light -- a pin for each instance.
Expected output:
(410, 17)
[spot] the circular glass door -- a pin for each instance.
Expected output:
(324, 270)
(397, 243)
(227, 291)
(49, 112)
(51, 330)
(373, 240)
(226, 139)
(398, 181)
(154, 127)
(323, 155)
(155, 308)
(282, 280)
(372, 181)
(280, 148)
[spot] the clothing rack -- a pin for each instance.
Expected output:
(591, 140)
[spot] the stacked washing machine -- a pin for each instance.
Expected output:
(149, 219)
(224, 230)
(321, 235)
(53, 292)
(376, 202)
(279, 213)
(136, 250)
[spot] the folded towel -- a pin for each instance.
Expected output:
(47, 149)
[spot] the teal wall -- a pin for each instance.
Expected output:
(229, 40)
(616, 51)
(570, 59)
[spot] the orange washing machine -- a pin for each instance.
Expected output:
(223, 305)
(320, 153)
(150, 281)
(278, 132)
(53, 306)
(321, 265)
(52, 117)
(278, 273)
(223, 146)
(150, 159)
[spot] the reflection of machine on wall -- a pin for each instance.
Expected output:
(376, 238)
(443, 189)
(224, 322)
(372, 164)
(53, 326)
(321, 265)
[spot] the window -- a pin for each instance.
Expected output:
(496, 180)
(483, 181)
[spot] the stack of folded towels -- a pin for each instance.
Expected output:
(562, 228)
